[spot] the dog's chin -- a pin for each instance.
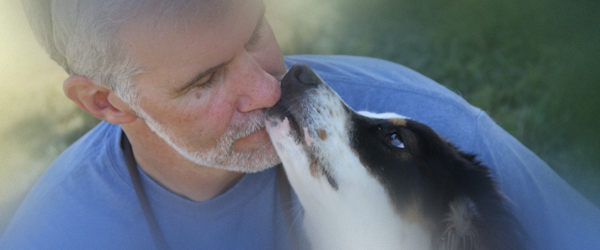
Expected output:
(277, 113)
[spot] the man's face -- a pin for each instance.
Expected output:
(207, 84)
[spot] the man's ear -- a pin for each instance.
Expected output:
(99, 101)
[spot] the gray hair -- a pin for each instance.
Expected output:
(82, 35)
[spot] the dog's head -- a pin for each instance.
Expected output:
(311, 123)
(334, 154)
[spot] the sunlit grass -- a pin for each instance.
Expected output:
(36, 121)
(532, 65)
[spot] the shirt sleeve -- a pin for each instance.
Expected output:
(554, 215)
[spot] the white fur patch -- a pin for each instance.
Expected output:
(387, 115)
(460, 233)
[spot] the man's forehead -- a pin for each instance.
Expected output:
(186, 43)
(164, 16)
(171, 15)
(153, 25)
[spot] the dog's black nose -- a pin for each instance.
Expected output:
(299, 79)
(301, 73)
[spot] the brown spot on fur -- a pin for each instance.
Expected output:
(322, 134)
(398, 122)
(315, 168)
(414, 214)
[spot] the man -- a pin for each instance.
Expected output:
(186, 82)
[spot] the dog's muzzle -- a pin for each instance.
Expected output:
(299, 81)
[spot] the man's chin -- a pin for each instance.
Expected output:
(243, 161)
(257, 161)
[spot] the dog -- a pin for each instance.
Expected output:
(382, 181)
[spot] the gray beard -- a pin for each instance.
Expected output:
(222, 155)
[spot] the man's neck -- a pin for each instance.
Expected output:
(173, 171)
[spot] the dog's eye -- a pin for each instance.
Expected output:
(394, 140)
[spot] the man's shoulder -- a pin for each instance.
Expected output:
(93, 150)
(80, 194)
(374, 73)
(381, 86)
(355, 77)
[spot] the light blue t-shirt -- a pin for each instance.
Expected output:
(86, 200)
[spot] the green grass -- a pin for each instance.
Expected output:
(532, 65)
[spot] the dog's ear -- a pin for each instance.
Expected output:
(460, 230)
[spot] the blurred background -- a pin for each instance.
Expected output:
(533, 65)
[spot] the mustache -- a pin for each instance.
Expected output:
(252, 123)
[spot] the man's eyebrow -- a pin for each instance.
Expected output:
(199, 76)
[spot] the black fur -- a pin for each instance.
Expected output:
(432, 173)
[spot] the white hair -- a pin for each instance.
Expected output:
(82, 35)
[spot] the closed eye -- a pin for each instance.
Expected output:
(208, 83)
(395, 140)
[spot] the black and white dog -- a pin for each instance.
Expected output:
(382, 181)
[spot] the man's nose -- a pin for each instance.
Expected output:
(261, 90)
